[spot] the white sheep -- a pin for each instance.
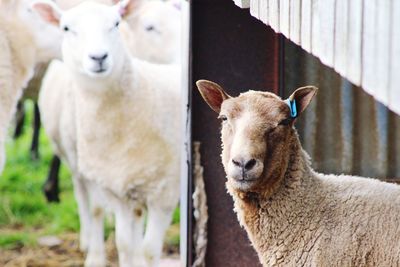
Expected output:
(293, 215)
(126, 142)
(17, 60)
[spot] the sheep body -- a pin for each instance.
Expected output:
(150, 119)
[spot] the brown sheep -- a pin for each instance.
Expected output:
(293, 215)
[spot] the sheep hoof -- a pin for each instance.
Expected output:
(95, 261)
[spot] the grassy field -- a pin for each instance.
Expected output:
(24, 213)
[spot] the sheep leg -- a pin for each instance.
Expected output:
(129, 234)
(82, 199)
(96, 256)
(50, 187)
(158, 221)
(20, 119)
(36, 133)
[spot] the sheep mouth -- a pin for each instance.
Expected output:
(245, 179)
(100, 70)
(244, 183)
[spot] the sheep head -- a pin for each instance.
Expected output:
(157, 23)
(257, 128)
(91, 41)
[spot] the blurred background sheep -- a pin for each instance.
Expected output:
(158, 24)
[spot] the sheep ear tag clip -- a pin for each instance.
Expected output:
(292, 106)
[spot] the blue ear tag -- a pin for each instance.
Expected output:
(292, 106)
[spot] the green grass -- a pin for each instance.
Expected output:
(24, 211)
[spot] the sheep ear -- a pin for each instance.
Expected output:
(300, 99)
(212, 93)
(48, 10)
(126, 7)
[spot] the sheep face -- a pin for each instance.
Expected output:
(91, 43)
(256, 131)
(156, 23)
(91, 40)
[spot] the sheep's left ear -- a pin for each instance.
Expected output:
(125, 7)
(48, 10)
(300, 99)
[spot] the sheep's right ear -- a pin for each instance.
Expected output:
(48, 10)
(212, 93)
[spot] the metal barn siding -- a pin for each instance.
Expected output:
(344, 130)
(237, 51)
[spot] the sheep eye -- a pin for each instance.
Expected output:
(285, 121)
(150, 28)
(66, 28)
(223, 118)
(117, 24)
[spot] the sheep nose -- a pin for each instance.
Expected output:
(99, 58)
(246, 165)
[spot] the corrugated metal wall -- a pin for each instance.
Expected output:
(344, 130)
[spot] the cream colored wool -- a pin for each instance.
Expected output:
(323, 220)
(134, 121)
(293, 215)
(145, 118)
(17, 58)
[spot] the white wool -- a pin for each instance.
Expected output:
(17, 59)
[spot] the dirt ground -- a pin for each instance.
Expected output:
(65, 253)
